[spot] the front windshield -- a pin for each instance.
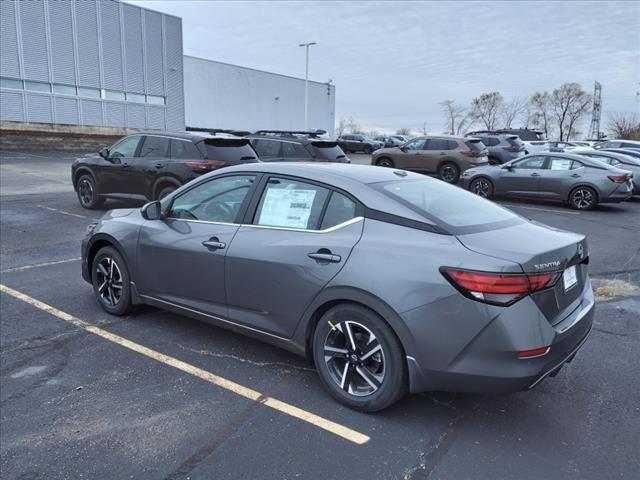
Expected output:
(447, 205)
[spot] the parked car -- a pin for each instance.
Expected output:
(625, 144)
(359, 143)
(502, 147)
(445, 156)
(620, 160)
(281, 146)
(152, 165)
(402, 138)
(625, 151)
(388, 142)
(534, 140)
(388, 281)
(556, 146)
(566, 177)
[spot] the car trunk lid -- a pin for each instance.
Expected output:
(538, 249)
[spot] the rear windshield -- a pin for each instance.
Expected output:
(475, 144)
(531, 135)
(227, 149)
(456, 210)
(329, 150)
(515, 141)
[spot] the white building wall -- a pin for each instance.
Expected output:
(219, 95)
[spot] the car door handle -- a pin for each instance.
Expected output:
(534, 174)
(321, 257)
(575, 174)
(214, 244)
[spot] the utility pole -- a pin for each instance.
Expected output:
(306, 84)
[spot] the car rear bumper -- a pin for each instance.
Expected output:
(489, 364)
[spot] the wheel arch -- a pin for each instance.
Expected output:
(162, 182)
(102, 240)
(81, 171)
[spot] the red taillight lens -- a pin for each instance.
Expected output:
(205, 165)
(538, 143)
(618, 178)
(498, 288)
(510, 149)
(471, 153)
(536, 352)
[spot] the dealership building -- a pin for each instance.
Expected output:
(106, 63)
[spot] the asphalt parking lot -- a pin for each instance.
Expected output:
(157, 395)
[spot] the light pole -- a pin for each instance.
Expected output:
(306, 84)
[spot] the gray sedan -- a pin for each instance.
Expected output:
(620, 160)
(579, 180)
(387, 281)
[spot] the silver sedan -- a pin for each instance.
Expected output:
(579, 180)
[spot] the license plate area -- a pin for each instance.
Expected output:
(569, 278)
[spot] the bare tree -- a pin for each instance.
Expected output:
(353, 127)
(569, 103)
(539, 112)
(457, 117)
(373, 133)
(403, 131)
(512, 110)
(341, 128)
(486, 108)
(624, 126)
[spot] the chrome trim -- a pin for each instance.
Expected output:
(326, 230)
(563, 361)
(220, 319)
(579, 317)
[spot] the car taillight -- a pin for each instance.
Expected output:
(471, 153)
(538, 143)
(205, 165)
(498, 288)
(533, 353)
(510, 149)
(618, 178)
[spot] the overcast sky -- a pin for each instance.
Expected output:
(393, 62)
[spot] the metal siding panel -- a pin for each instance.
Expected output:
(34, 41)
(11, 106)
(9, 56)
(154, 57)
(111, 45)
(62, 56)
(114, 114)
(91, 112)
(133, 48)
(88, 49)
(135, 116)
(39, 108)
(66, 110)
(155, 118)
(175, 90)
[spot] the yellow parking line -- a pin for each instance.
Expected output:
(51, 209)
(320, 422)
(38, 265)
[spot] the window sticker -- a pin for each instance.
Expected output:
(287, 208)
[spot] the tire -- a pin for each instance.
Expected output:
(483, 187)
(164, 191)
(449, 172)
(109, 274)
(87, 192)
(385, 162)
(368, 384)
(583, 198)
(368, 150)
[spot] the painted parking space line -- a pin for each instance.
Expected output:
(63, 212)
(566, 212)
(38, 265)
(246, 392)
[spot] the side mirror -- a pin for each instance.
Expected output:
(507, 167)
(152, 211)
(403, 148)
(104, 153)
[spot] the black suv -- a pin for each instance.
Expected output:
(296, 146)
(359, 143)
(152, 165)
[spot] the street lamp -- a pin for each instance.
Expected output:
(306, 84)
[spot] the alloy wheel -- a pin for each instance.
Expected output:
(85, 191)
(449, 173)
(481, 187)
(583, 198)
(109, 280)
(385, 163)
(354, 358)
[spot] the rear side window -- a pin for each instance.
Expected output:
(294, 150)
(267, 149)
(125, 148)
(181, 149)
(477, 145)
(339, 210)
(228, 150)
(291, 204)
(446, 204)
(155, 147)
